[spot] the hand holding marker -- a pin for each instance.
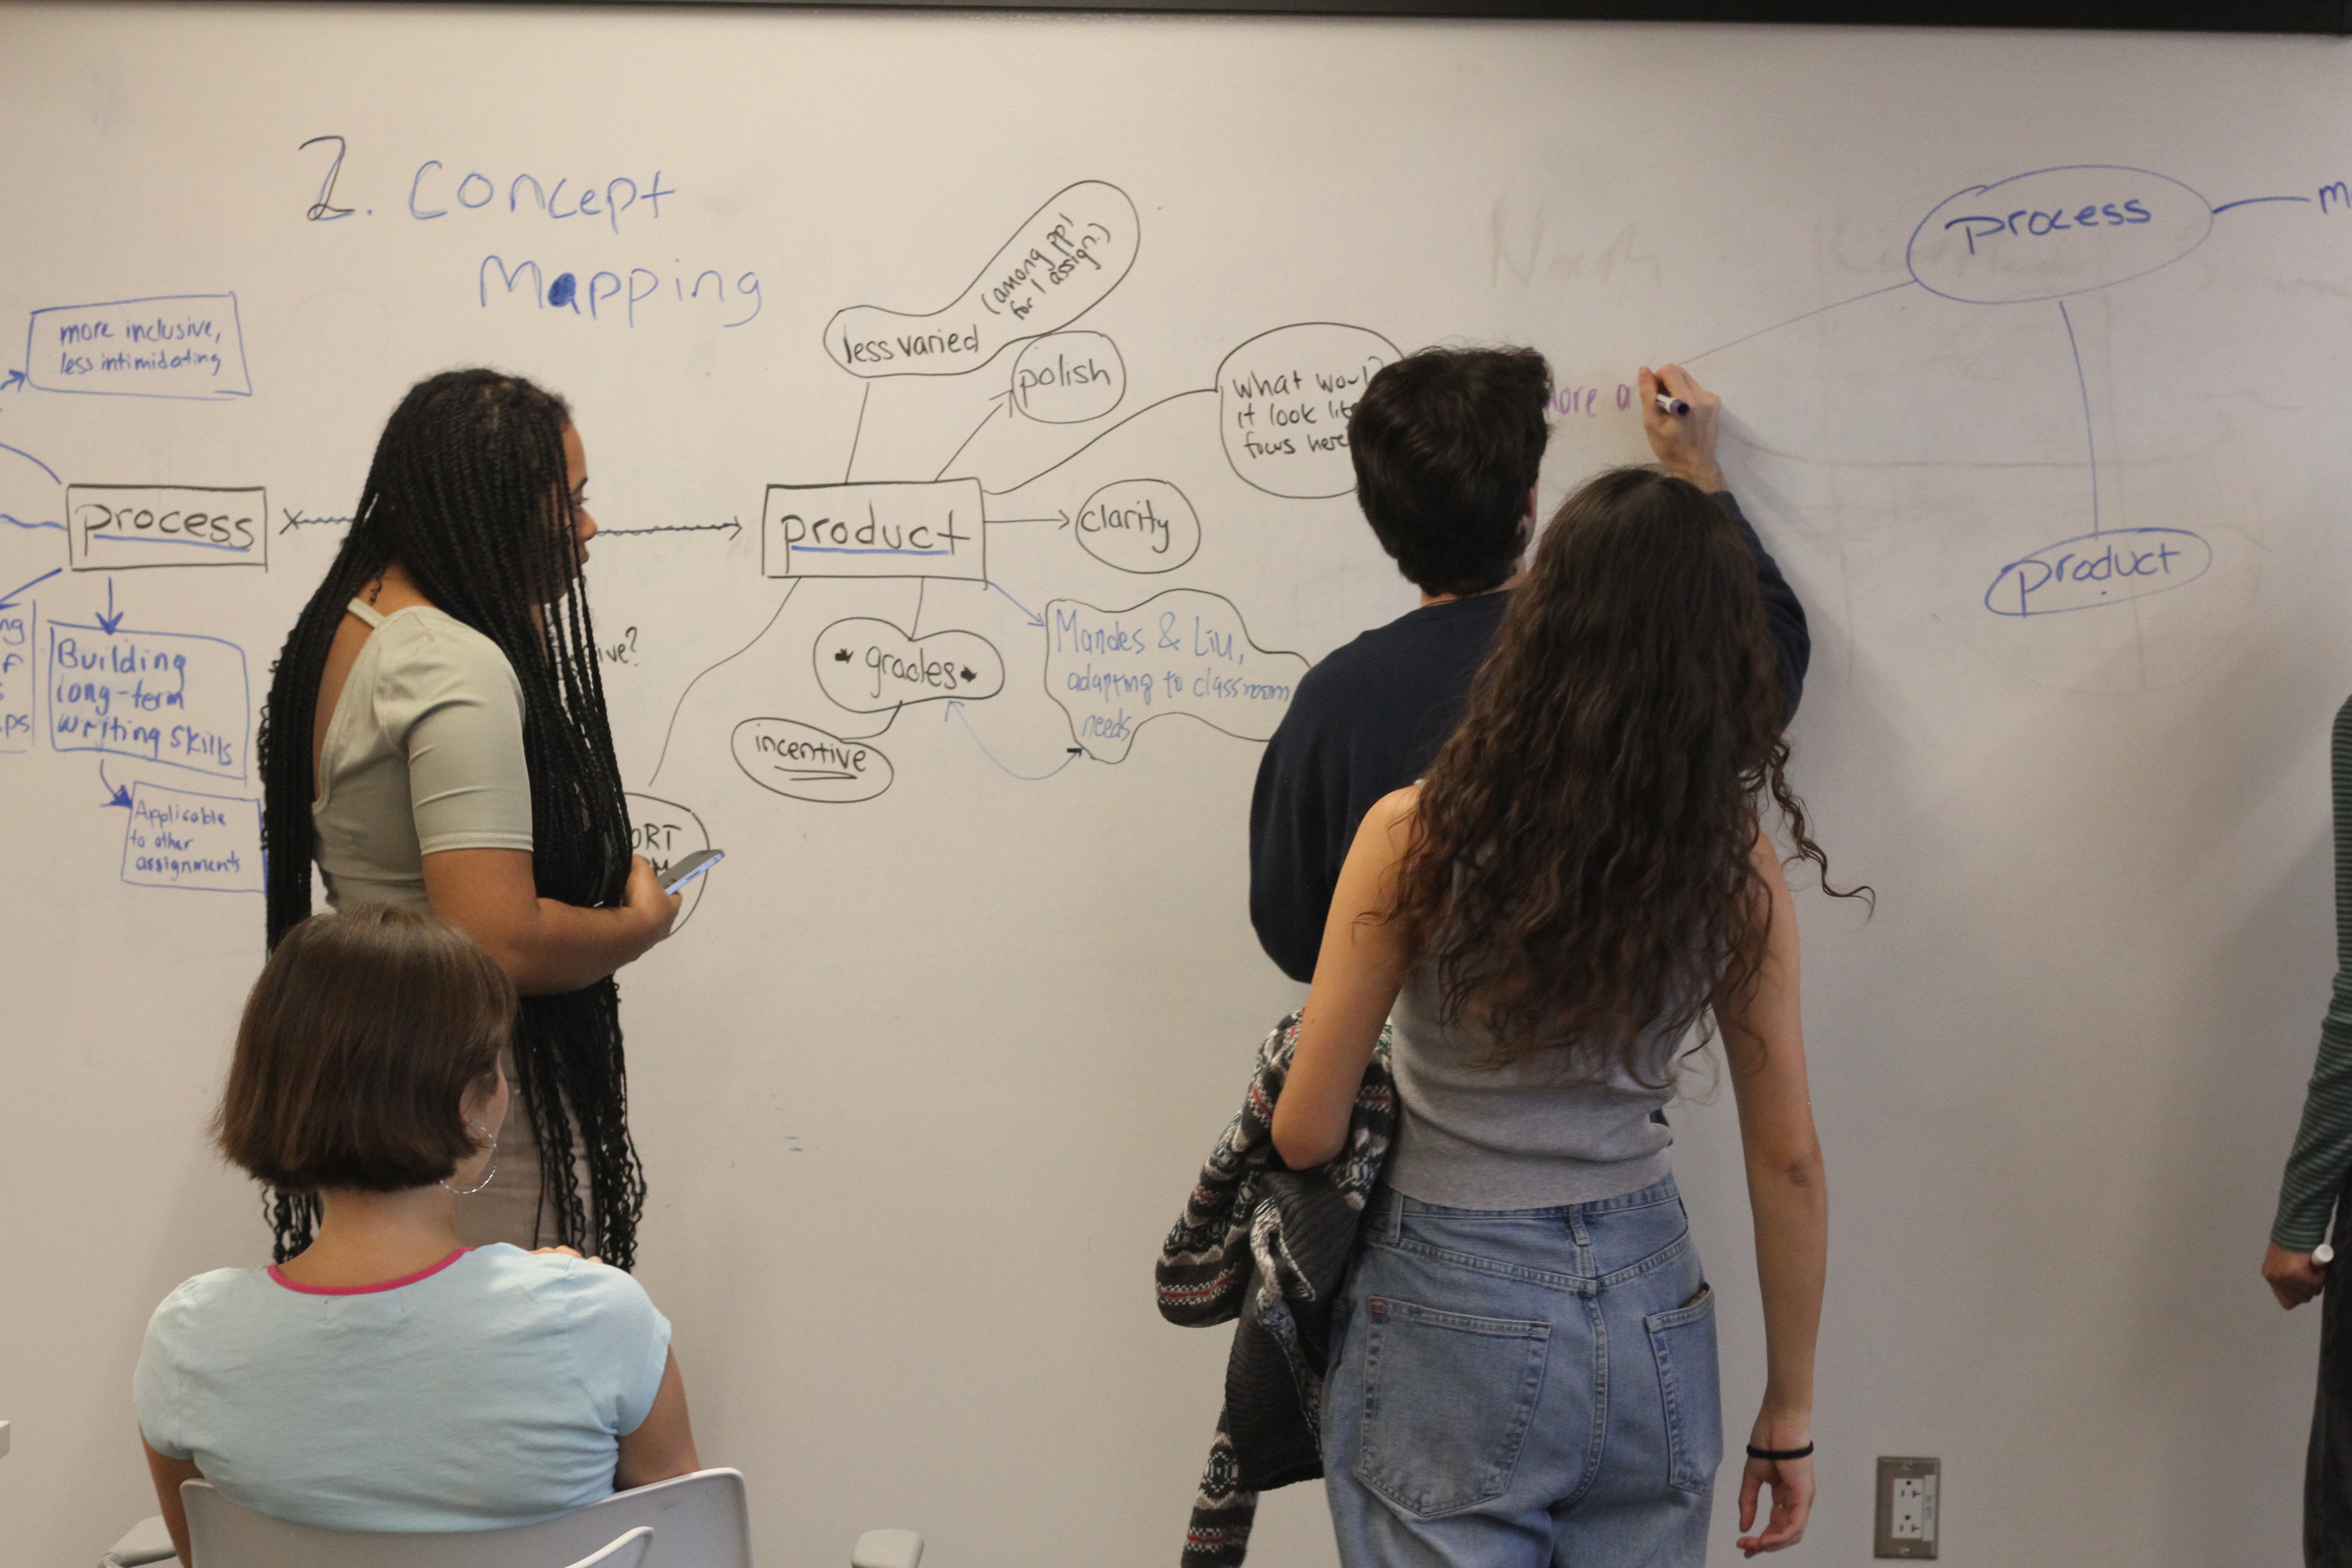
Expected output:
(1680, 418)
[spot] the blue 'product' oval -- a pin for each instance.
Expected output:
(2091, 571)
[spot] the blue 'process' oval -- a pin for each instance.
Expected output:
(2014, 242)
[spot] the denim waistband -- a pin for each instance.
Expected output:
(1387, 1206)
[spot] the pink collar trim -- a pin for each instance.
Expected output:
(368, 1290)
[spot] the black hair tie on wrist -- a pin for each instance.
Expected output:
(1777, 1455)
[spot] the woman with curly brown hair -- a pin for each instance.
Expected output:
(1525, 1370)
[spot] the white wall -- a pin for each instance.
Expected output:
(926, 1078)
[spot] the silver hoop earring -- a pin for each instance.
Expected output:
(492, 1171)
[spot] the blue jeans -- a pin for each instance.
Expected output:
(1525, 1388)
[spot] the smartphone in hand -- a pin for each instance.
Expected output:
(680, 872)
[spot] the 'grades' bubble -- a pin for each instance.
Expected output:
(1138, 525)
(1069, 378)
(866, 666)
(1282, 402)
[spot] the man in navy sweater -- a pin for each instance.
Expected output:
(1446, 443)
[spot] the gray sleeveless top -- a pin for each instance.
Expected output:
(1515, 1136)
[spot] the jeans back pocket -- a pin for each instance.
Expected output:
(1683, 1340)
(1447, 1399)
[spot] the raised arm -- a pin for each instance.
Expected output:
(1786, 1193)
(1685, 446)
(1356, 978)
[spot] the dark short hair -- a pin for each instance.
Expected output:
(358, 1043)
(1447, 443)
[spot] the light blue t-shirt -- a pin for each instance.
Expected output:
(490, 1390)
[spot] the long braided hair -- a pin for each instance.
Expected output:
(469, 493)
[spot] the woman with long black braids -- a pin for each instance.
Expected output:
(437, 736)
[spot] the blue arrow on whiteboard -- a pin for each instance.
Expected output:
(110, 622)
(9, 599)
(32, 459)
(1034, 618)
(955, 711)
(122, 796)
(15, 379)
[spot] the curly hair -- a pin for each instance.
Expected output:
(1579, 870)
(468, 493)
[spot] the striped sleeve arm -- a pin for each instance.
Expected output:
(2323, 1145)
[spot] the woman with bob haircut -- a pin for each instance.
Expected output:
(1523, 1365)
(389, 1378)
(435, 737)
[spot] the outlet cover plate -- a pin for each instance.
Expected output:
(1910, 1500)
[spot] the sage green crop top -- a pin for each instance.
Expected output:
(423, 753)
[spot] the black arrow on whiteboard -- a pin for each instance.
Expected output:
(1172, 397)
(1003, 405)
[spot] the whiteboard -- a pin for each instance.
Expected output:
(935, 374)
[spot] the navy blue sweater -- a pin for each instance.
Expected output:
(1370, 719)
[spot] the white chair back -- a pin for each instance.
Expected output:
(700, 1520)
(627, 1552)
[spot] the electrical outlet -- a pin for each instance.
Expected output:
(1908, 1498)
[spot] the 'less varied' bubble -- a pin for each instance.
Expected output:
(1069, 254)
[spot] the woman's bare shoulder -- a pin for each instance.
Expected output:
(1395, 810)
